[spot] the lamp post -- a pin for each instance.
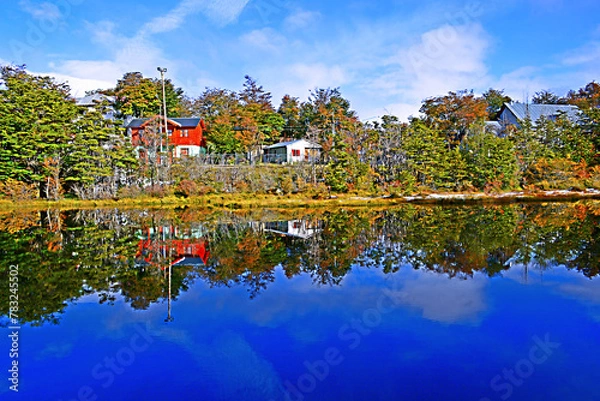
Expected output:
(164, 98)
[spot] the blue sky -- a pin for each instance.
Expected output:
(386, 56)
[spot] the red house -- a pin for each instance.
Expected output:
(158, 243)
(186, 135)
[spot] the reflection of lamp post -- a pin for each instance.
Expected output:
(168, 242)
(164, 95)
(169, 318)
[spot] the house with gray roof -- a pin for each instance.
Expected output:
(91, 102)
(515, 113)
(292, 152)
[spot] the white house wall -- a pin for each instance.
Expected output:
(192, 150)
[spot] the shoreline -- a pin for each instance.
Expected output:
(300, 201)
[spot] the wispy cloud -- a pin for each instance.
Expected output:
(301, 19)
(443, 59)
(139, 52)
(221, 12)
(41, 11)
(587, 54)
(266, 39)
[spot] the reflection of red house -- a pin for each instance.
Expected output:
(186, 135)
(182, 251)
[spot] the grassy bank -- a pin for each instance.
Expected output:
(255, 201)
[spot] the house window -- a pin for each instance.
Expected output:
(185, 152)
(295, 152)
(170, 132)
(185, 133)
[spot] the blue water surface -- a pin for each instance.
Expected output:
(412, 335)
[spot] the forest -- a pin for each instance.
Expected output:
(50, 148)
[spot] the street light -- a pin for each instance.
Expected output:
(164, 93)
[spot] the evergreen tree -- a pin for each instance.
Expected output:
(36, 129)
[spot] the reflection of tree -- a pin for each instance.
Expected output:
(328, 255)
(243, 256)
(64, 256)
(561, 234)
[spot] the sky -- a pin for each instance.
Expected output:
(385, 56)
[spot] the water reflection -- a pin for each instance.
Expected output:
(153, 256)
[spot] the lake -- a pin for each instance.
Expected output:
(478, 303)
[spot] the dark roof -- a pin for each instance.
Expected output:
(187, 122)
(184, 122)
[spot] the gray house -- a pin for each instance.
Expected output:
(91, 102)
(515, 113)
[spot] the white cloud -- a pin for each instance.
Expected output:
(41, 11)
(446, 300)
(299, 78)
(221, 12)
(266, 39)
(128, 54)
(588, 54)
(80, 85)
(139, 52)
(522, 84)
(301, 19)
(443, 59)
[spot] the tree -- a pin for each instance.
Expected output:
(141, 97)
(587, 97)
(491, 161)
(218, 108)
(529, 148)
(255, 94)
(455, 114)
(257, 122)
(430, 160)
(391, 157)
(546, 97)
(495, 100)
(289, 110)
(36, 129)
(49, 141)
(100, 157)
(329, 113)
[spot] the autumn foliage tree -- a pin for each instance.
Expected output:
(455, 114)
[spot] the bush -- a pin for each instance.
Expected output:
(18, 190)
(158, 191)
(186, 189)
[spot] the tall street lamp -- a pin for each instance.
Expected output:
(164, 93)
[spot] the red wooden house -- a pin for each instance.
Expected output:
(185, 135)
(158, 243)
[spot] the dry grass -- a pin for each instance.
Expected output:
(294, 201)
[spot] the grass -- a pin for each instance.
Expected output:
(292, 201)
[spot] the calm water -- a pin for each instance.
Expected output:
(415, 303)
